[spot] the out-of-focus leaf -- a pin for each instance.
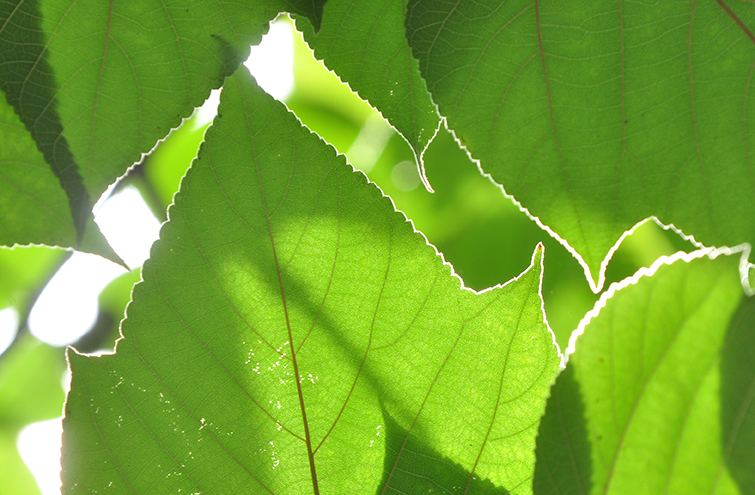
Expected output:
(287, 309)
(112, 303)
(659, 393)
(15, 476)
(96, 83)
(167, 164)
(597, 115)
(30, 383)
(364, 42)
(30, 390)
(24, 271)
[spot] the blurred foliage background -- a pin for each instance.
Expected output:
(480, 231)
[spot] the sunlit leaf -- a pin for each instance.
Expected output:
(658, 396)
(597, 115)
(293, 333)
(364, 42)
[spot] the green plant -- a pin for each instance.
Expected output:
(293, 333)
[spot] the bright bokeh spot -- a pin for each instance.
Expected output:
(369, 143)
(39, 446)
(405, 176)
(271, 63)
(67, 307)
(8, 327)
(128, 224)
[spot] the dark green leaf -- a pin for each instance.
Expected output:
(597, 115)
(14, 474)
(35, 210)
(96, 83)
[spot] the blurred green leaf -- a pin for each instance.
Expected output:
(30, 383)
(24, 271)
(31, 375)
(17, 479)
(167, 164)
(319, 312)
(658, 395)
(112, 303)
(597, 116)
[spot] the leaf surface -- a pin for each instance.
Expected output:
(35, 209)
(364, 42)
(96, 83)
(659, 396)
(294, 334)
(597, 115)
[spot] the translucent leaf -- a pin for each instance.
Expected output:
(658, 396)
(364, 42)
(96, 83)
(294, 334)
(598, 115)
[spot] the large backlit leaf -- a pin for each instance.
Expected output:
(293, 333)
(596, 115)
(659, 396)
(364, 42)
(96, 83)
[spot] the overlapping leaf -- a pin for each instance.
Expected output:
(96, 83)
(597, 115)
(34, 207)
(659, 396)
(293, 334)
(364, 42)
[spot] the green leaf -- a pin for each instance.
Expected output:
(287, 311)
(659, 395)
(96, 83)
(364, 42)
(598, 115)
(31, 373)
(15, 475)
(35, 209)
(30, 383)
(24, 272)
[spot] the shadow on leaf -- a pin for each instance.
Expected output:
(30, 89)
(738, 397)
(563, 448)
(421, 469)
